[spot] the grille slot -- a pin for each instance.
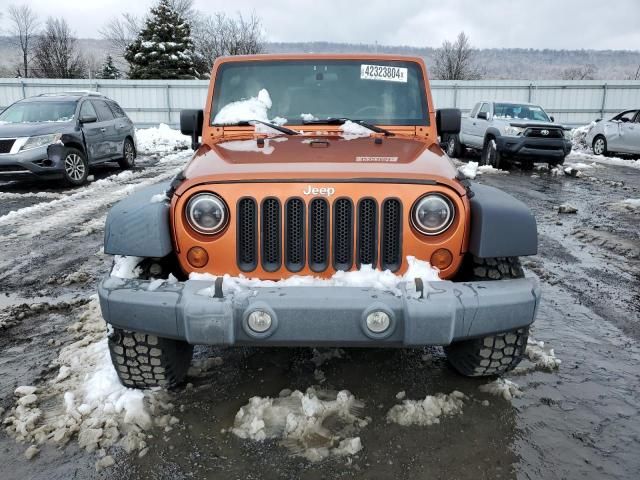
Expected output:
(6, 144)
(367, 232)
(343, 234)
(537, 133)
(247, 252)
(391, 248)
(294, 237)
(270, 235)
(318, 234)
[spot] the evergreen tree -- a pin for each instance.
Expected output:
(109, 70)
(164, 48)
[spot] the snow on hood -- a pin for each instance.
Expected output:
(351, 130)
(254, 108)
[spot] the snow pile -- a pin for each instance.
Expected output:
(630, 204)
(254, 108)
(579, 136)
(126, 266)
(578, 156)
(159, 198)
(314, 425)
(351, 130)
(544, 360)
(472, 169)
(161, 139)
(502, 387)
(86, 401)
(366, 277)
(428, 411)
(308, 117)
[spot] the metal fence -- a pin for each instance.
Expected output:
(150, 102)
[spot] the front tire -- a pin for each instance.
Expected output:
(599, 146)
(128, 159)
(145, 361)
(76, 167)
(490, 154)
(454, 148)
(492, 354)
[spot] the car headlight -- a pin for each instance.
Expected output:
(514, 131)
(40, 141)
(207, 213)
(433, 214)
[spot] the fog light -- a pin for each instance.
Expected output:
(197, 257)
(441, 259)
(378, 321)
(259, 321)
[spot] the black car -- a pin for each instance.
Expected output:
(61, 135)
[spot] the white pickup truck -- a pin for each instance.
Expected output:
(508, 130)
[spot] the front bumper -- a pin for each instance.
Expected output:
(34, 163)
(534, 147)
(433, 313)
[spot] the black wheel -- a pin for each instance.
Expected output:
(454, 148)
(76, 167)
(599, 145)
(490, 154)
(493, 354)
(145, 361)
(128, 159)
(526, 165)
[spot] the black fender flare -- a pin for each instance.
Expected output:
(501, 225)
(138, 227)
(491, 131)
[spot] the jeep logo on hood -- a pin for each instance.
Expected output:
(326, 191)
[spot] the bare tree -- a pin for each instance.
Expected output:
(634, 76)
(120, 32)
(56, 53)
(582, 72)
(454, 61)
(220, 34)
(23, 28)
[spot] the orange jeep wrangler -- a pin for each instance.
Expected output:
(317, 193)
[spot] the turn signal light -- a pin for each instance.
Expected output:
(197, 257)
(441, 259)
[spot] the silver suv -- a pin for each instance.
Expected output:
(621, 134)
(509, 130)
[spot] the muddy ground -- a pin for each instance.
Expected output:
(580, 421)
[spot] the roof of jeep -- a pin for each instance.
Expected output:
(318, 56)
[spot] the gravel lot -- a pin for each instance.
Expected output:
(580, 421)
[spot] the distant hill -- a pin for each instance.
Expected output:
(497, 63)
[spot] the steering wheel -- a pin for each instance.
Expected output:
(373, 109)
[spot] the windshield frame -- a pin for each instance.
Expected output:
(39, 102)
(425, 121)
(516, 119)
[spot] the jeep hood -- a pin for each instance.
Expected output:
(312, 158)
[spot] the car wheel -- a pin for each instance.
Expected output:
(128, 159)
(146, 361)
(454, 147)
(599, 145)
(492, 354)
(490, 154)
(76, 167)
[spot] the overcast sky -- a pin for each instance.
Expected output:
(571, 24)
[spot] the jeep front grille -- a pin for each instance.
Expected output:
(319, 234)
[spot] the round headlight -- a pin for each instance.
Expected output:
(206, 213)
(432, 214)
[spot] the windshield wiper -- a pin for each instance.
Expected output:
(343, 120)
(247, 123)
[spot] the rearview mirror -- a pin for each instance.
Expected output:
(483, 115)
(191, 124)
(88, 119)
(552, 119)
(448, 121)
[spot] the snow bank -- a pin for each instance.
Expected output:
(501, 387)
(254, 108)
(86, 401)
(579, 136)
(428, 411)
(577, 156)
(366, 277)
(314, 425)
(542, 359)
(472, 169)
(161, 139)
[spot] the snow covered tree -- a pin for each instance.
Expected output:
(109, 70)
(164, 48)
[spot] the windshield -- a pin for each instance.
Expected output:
(377, 92)
(34, 112)
(520, 112)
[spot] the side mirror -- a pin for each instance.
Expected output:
(483, 115)
(448, 121)
(88, 119)
(552, 119)
(191, 124)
